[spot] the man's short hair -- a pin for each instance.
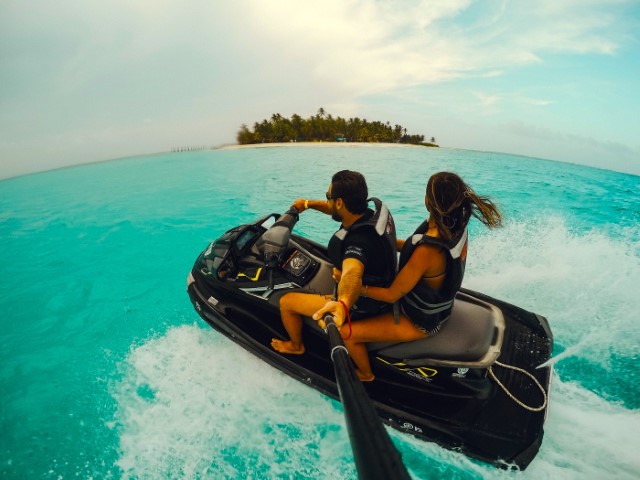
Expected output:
(351, 187)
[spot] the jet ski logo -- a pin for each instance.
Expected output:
(410, 426)
(425, 374)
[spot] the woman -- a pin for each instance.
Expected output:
(431, 269)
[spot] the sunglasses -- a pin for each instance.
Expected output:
(329, 197)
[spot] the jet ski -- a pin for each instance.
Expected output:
(476, 387)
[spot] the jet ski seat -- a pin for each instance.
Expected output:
(472, 337)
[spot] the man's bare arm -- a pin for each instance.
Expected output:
(351, 281)
(348, 292)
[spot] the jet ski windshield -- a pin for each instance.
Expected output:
(220, 258)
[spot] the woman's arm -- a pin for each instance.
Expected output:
(422, 258)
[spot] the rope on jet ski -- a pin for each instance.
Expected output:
(511, 396)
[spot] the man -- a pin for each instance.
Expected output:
(363, 248)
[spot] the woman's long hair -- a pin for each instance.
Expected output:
(451, 202)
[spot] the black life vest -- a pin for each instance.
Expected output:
(425, 306)
(381, 222)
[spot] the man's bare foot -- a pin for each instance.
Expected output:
(286, 347)
(365, 378)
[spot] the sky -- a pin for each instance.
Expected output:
(90, 81)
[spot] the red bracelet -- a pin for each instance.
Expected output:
(346, 311)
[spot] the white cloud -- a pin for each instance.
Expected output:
(422, 43)
(577, 148)
(539, 102)
(85, 77)
(354, 47)
(548, 135)
(487, 100)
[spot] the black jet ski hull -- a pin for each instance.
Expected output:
(455, 403)
(488, 426)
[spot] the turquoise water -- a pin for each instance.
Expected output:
(107, 372)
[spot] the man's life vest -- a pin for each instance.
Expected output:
(383, 228)
(382, 225)
(423, 305)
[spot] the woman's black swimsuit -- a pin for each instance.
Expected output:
(427, 308)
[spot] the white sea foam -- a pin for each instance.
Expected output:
(586, 438)
(191, 404)
(585, 284)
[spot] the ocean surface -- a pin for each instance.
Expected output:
(106, 371)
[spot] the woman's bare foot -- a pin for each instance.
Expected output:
(286, 347)
(365, 378)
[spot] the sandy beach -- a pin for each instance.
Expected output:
(320, 144)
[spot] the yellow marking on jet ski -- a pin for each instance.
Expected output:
(427, 372)
(253, 279)
(397, 364)
(424, 371)
(388, 363)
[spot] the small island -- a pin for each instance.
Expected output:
(324, 127)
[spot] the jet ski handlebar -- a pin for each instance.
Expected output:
(275, 240)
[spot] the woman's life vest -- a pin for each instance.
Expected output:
(423, 305)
